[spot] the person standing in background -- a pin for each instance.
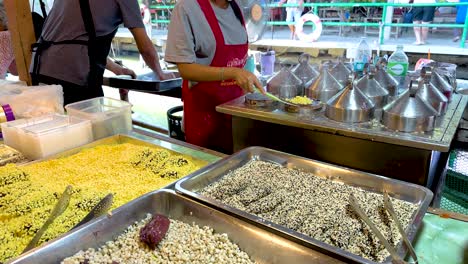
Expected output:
(75, 42)
(422, 15)
(146, 16)
(460, 19)
(293, 14)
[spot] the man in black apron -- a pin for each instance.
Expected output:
(75, 42)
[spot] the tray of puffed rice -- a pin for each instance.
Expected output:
(308, 200)
(164, 227)
(121, 165)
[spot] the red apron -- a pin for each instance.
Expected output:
(203, 125)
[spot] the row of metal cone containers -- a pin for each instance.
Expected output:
(375, 95)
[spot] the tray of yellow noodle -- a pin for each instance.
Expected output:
(122, 165)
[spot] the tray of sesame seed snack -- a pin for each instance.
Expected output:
(122, 165)
(187, 232)
(308, 200)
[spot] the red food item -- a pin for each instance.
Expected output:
(155, 230)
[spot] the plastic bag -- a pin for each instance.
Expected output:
(32, 101)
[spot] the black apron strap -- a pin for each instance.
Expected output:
(88, 21)
(44, 13)
(237, 11)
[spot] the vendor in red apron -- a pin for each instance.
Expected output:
(208, 41)
(75, 42)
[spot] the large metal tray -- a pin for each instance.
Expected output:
(262, 246)
(147, 82)
(199, 157)
(415, 194)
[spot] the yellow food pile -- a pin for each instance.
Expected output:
(300, 100)
(28, 194)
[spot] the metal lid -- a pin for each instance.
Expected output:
(430, 93)
(372, 89)
(285, 84)
(441, 84)
(350, 106)
(304, 70)
(341, 73)
(324, 87)
(386, 81)
(409, 113)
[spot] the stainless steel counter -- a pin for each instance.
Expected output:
(414, 157)
(438, 140)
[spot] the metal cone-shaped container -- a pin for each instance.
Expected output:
(324, 87)
(304, 70)
(431, 94)
(350, 106)
(386, 81)
(409, 113)
(439, 82)
(372, 89)
(285, 84)
(341, 73)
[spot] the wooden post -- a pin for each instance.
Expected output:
(21, 29)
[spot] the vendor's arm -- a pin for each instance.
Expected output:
(192, 59)
(202, 73)
(149, 53)
(118, 69)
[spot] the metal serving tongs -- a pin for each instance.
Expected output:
(389, 207)
(59, 208)
(100, 209)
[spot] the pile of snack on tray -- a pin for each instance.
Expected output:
(124, 199)
(87, 189)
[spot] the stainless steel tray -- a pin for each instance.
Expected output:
(415, 194)
(199, 157)
(147, 82)
(262, 246)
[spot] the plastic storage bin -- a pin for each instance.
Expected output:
(108, 116)
(43, 136)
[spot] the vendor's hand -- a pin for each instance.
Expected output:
(247, 80)
(166, 75)
(125, 71)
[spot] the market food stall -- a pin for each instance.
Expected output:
(130, 167)
(368, 146)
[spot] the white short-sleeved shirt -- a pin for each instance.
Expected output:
(190, 38)
(289, 9)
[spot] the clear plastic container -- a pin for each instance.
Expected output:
(43, 136)
(363, 55)
(108, 116)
